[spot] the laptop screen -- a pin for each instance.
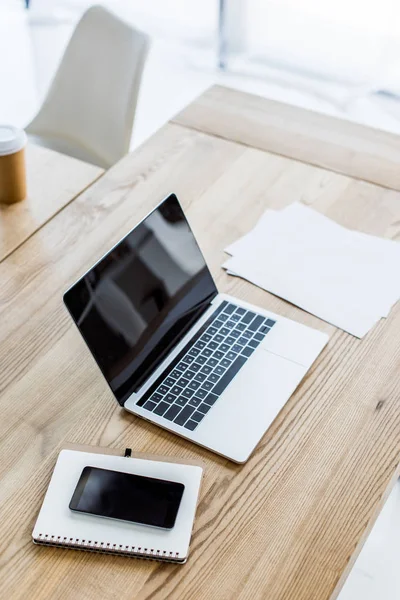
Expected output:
(139, 300)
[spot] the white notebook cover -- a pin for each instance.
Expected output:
(58, 525)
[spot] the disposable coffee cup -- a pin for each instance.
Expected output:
(12, 164)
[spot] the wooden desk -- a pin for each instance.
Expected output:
(286, 525)
(53, 180)
(334, 144)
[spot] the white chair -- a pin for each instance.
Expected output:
(89, 109)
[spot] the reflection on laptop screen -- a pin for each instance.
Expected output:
(136, 303)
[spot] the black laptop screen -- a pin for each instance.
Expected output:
(135, 304)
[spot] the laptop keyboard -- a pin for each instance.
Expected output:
(196, 378)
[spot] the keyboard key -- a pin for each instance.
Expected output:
(190, 374)
(259, 337)
(201, 359)
(254, 343)
(229, 375)
(224, 347)
(169, 381)
(201, 393)
(195, 401)
(200, 377)
(207, 352)
(263, 329)
(181, 400)
(229, 309)
(212, 362)
(189, 359)
(169, 398)
(218, 338)
(255, 324)
(219, 370)
(225, 363)
(172, 412)
(195, 367)
(206, 337)
(230, 340)
(191, 425)
(247, 351)
(242, 340)
(213, 378)
(270, 322)
(224, 331)
(218, 355)
(248, 317)
(213, 345)
(236, 333)
(223, 317)
(240, 311)
(182, 382)
(200, 345)
(184, 415)
(211, 399)
(231, 356)
(194, 352)
(218, 324)
(235, 317)
(163, 389)
(204, 408)
(156, 397)
(175, 373)
(149, 405)
(211, 330)
(206, 369)
(161, 408)
(193, 385)
(188, 393)
(235, 348)
(198, 416)
(247, 334)
(230, 324)
(176, 390)
(207, 385)
(240, 327)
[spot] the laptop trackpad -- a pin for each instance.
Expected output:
(251, 402)
(295, 342)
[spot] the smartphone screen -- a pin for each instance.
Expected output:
(127, 497)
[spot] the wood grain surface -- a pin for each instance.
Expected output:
(53, 180)
(336, 144)
(287, 524)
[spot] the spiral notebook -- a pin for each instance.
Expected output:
(57, 525)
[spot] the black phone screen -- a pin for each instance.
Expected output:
(127, 497)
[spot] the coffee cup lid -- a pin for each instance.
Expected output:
(12, 139)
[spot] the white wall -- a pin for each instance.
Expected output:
(354, 41)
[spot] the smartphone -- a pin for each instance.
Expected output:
(127, 497)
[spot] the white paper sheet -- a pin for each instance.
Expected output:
(362, 256)
(245, 242)
(344, 277)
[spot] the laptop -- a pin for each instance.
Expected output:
(209, 367)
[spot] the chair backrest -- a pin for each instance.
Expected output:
(92, 99)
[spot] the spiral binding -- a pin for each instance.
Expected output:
(107, 548)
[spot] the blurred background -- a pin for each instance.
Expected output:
(340, 57)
